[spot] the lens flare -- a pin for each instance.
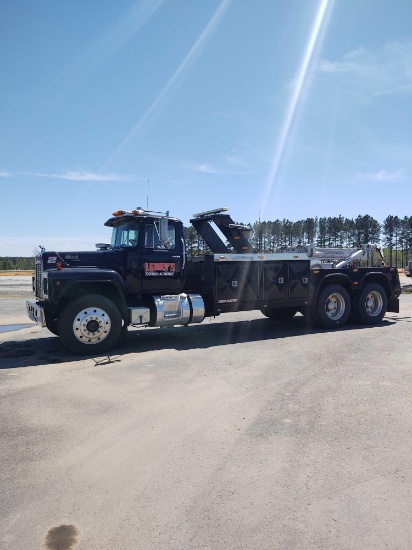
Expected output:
(172, 83)
(296, 94)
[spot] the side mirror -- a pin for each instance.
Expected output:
(164, 230)
(103, 246)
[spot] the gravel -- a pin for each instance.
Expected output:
(14, 287)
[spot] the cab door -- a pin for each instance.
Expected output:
(162, 262)
(127, 237)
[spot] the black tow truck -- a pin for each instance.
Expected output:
(145, 278)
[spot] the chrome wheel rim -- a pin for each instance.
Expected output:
(335, 306)
(373, 303)
(91, 325)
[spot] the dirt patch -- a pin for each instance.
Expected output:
(14, 273)
(62, 537)
(15, 287)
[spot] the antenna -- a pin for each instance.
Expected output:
(147, 198)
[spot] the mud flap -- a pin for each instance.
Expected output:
(393, 305)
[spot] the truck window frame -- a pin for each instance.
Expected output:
(152, 236)
(120, 230)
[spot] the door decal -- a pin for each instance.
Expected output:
(158, 269)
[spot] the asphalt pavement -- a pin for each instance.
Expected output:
(238, 433)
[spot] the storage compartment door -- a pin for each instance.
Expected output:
(274, 281)
(299, 279)
(237, 282)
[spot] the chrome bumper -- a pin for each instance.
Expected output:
(35, 313)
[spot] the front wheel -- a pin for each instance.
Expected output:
(332, 308)
(90, 324)
(280, 314)
(370, 306)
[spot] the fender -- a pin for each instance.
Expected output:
(376, 277)
(330, 278)
(389, 281)
(61, 281)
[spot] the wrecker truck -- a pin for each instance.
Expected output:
(145, 278)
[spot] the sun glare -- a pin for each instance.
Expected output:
(273, 187)
(172, 83)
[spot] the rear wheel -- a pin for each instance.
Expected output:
(369, 307)
(280, 314)
(90, 324)
(332, 308)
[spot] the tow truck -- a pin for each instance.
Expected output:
(144, 278)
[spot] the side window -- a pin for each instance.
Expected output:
(152, 237)
(126, 235)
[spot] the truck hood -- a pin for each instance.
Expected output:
(102, 259)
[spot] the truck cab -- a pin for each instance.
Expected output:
(154, 251)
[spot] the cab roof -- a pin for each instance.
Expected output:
(122, 216)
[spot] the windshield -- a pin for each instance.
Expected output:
(125, 235)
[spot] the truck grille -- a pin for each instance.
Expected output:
(38, 279)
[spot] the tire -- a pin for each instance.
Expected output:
(280, 314)
(332, 307)
(369, 306)
(53, 326)
(90, 324)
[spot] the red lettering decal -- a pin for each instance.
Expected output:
(160, 267)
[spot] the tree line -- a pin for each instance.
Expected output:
(16, 263)
(394, 235)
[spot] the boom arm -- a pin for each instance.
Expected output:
(237, 234)
(363, 254)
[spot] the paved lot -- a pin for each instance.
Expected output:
(234, 434)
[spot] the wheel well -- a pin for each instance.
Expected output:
(380, 280)
(336, 280)
(107, 290)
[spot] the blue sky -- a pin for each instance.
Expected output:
(288, 108)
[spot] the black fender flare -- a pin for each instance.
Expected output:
(65, 285)
(378, 278)
(331, 279)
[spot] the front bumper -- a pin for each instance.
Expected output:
(35, 313)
